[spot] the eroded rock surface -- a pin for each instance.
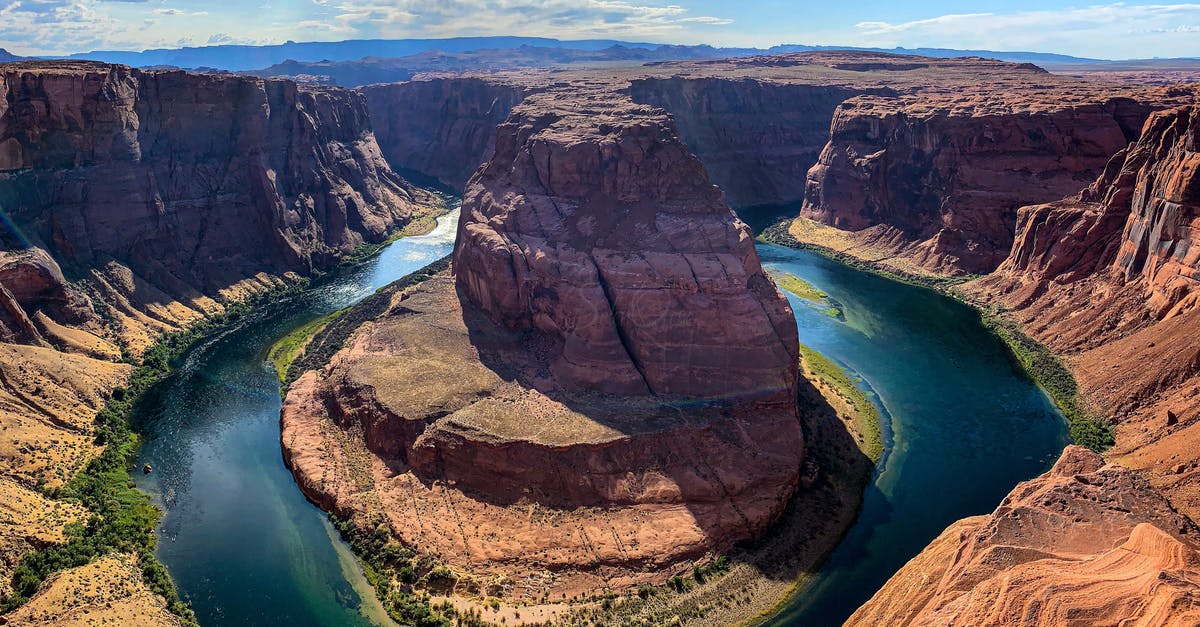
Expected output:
(135, 204)
(1109, 278)
(603, 392)
(442, 128)
(1088, 543)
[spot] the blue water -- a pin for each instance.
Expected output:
(246, 548)
(241, 542)
(966, 425)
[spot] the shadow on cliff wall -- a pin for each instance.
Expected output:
(706, 466)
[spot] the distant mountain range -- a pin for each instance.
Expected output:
(378, 55)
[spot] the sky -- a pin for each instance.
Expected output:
(1105, 30)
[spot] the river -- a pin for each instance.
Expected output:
(241, 542)
(246, 548)
(965, 424)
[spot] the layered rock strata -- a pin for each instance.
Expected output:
(604, 392)
(136, 203)
(948, 173)
(921, 160)
(1109, 278)
(441, 128)
(1088, 543)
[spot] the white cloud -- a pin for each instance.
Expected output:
(1116, 30)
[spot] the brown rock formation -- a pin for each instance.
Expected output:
(757, 138)
(604, 393)
(922, 159)
(191, 181)
(1084, 544)
(596, 226)
(441, 128)
(136, 203)
(1109, 278)
(950, 172)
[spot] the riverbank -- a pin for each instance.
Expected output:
(751, 583)
(1088, 426)
(122, 519)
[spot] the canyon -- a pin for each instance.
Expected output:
(138, 203)
(603, 392)
(600, 391)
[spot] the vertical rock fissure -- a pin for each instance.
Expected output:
(620, 326)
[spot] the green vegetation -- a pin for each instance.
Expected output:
(289, 347)
(865, 414)
(1088, 428)
(800, 287)
(807, 291)
(123, 519)
(333, 335)
(778, 235)
(397, 573)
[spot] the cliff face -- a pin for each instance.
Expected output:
(950, 174)
(757, 138)
(599, 228)
(135, 203)
(1109, 278)
(189, 180)
(1085, 544)
(441, 128)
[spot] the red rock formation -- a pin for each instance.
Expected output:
(950, 172)
(595, 225)
(1084, 544)
(605, 391)
(757, 138)
(193, 181)
(441, 128)
(1109, 278)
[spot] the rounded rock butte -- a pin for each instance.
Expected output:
(604, 391)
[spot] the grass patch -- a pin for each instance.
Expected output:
(808, 291)
(866, 415)
(290, 346)
(800, 287)
(1088, 427)
(398, 575)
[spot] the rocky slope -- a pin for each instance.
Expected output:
(441, 128)
(609, 327)
(949, 172)
(1085, 544)
(757, 138)
(1109, 278)
(137, 203)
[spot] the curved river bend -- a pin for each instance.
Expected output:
(245, 547)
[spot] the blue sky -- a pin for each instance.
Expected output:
(1103, 30)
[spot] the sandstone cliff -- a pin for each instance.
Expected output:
(604, 392)
(441, 128)
(757, 138)
(136, 203)
(595, 225)
(948, 173)
(1109, 278)
(1085, 544)
(923, 160)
